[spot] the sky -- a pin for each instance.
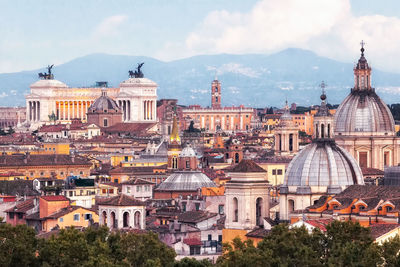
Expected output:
(41, 32)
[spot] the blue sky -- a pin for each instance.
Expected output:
(36, 33)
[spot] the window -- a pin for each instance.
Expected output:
(61, 219)
(61, 173)
(209, 237)
(88, 216)
(81, 172)
(183, 206)
(221, 209)
(11, 215)
(103, 191)
(105, 123)
(128, 190)
(71, 193)
(138, 188)
(274, 172)
(111, 191)
(194, 250)
(197, 205)
(187, 164)
(76, 217)
(279, 172)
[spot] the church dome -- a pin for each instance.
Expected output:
(186, 181)
(104, 104)
(363, 112)
(187, 152)
(323, 163)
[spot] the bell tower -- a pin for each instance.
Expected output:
(216, 94)
(286, 135)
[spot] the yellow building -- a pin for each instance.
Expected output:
(275, 170)
(11, 176)
(55, 148)
(70, 216)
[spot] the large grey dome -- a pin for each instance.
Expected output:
(363, 111)
(323, 164)
(186, 181)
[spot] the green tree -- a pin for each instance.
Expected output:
(18, 246)
(68, 248)
(192, 262)
(350, 244)
(141, 249)
(390, 252)
(242, 253)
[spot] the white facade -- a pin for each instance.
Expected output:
(137, 98)
(247, 200)
(122, 216)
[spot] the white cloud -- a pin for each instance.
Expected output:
(3, 94)
(109, 26)
(324, 26)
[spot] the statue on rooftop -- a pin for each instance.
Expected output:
(47, 76)
(138, 72)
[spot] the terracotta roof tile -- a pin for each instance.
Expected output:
(41, 160)
(192, 241)
(247, 165)
(195, 216)
(55, 198)
(121, 200)
(380, 229)
(23, 206)
(137, 181)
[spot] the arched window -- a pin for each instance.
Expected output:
(126, 219)
(105, 218)
(316, 131)
(290, 142)
(280, 142)
(322, 131)
(235, 210)
(236, 157)
(174, 162)
(137, 219)
(329, 130)
(113, 220)
(259, 215)
(290, 205)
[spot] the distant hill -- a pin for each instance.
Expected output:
(253, 79)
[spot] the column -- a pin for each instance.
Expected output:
(38, 110)
(68, 110)
(34, 111)
(55, 108)
(144, 110)
(63, 109)
(129, 110)
(29, 115)
(124, 110)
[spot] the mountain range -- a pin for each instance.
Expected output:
(255, 80)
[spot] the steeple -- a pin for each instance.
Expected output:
(174, 138)
(362, 72)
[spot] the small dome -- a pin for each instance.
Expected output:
(186, 181)
(363, 111)
(104, 103)
(323, 164)
(48, 83)
(187, 152)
